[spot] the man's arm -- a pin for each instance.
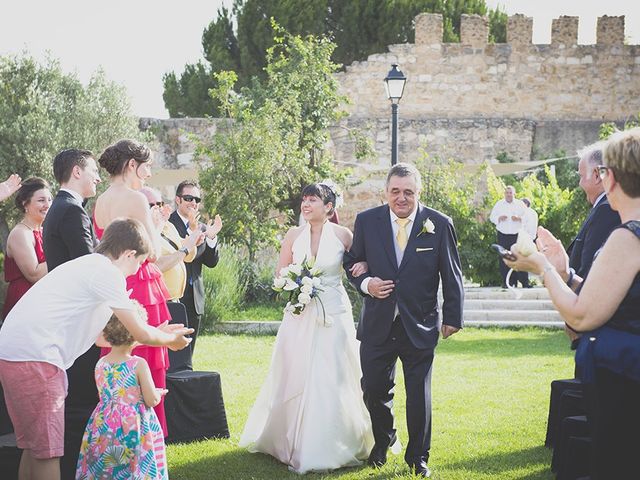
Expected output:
(76, 232)
(451, 276)
(356, 254)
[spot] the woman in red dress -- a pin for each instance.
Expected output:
(24, 263)
(129, 164)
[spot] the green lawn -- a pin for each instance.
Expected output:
(491, 394)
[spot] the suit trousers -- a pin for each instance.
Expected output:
(193, 318)
(378, 380)
(506, 241)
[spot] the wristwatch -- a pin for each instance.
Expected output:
(184, 250)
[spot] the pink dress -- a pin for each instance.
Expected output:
(123, 439)
(148, 288)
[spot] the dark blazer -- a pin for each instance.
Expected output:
(594, 231)
(428, 258)
(67, 232)
(205, 256)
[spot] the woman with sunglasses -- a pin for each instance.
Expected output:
(605, 307)
(129, 164)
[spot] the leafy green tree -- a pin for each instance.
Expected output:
(358, 28)
(275, 144)
(43, 110)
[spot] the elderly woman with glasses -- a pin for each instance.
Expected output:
(605, 307)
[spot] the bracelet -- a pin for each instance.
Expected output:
(572, 272)
(546, 269)
(184, 250)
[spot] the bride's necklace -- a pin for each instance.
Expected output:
(23, 222)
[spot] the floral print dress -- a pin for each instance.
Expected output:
(123, 438)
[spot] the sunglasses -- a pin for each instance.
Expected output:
(602, 171)
(190, 198)
(156, 204)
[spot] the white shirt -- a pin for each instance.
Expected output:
(61, 316)
(74, 194)
(502, 207)
(530, 222)
(364, 286)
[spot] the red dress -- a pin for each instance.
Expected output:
(148, 288)
(18, 285)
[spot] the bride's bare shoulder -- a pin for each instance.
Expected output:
(293, 233)
(344, 234)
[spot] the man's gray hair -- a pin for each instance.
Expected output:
(592, 154)
(405, 170)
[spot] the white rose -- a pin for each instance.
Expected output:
(279, 282)
(429, 227)
(306, 289)
(304, 298)
(290, 285)
(295, 269)
(317, 282)
(306, 281)
(284, 271)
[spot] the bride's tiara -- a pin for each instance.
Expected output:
(331, 185)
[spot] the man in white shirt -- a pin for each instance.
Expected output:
(507, 215)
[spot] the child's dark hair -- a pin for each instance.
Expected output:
(124, 234)
(116, 333)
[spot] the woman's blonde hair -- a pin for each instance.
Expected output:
(622, 155)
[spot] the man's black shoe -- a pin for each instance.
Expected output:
(378, 456)
(420, 469)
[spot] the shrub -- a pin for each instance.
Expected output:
(225, 287)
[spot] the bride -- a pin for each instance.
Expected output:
(309, 413)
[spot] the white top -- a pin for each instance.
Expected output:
(502, 207)
(530, 222)
(61, 316)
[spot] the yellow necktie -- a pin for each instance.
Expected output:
(401, 237)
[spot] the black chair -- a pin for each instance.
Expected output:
(571, 455)
(194, 406)
(561, 406)
(180, 360)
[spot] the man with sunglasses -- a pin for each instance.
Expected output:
(186, 220)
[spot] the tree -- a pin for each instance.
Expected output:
(358, 28)
(275, 144)
(44, 110)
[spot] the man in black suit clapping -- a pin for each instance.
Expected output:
(68, 234)
(186, 220)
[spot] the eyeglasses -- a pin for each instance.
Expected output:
(156, 204)
(602, 171)
(190, 198)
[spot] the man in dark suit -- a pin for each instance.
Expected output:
(185, 219)
(409, 248)
(68, 234)
(601, 219)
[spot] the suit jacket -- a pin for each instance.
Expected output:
(427, 259)
(67, 232)
(205, 255)
(594, 231)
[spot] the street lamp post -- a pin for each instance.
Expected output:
(394, 85)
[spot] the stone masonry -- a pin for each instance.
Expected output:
(470, 101)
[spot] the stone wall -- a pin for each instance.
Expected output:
(470, 101)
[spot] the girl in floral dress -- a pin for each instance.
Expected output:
(123, 438)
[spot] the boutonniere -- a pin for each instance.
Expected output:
(427, 227)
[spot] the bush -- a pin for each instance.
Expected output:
(225, 287)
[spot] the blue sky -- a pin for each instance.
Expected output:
(137, 41)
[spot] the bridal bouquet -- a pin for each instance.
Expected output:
(301, 282)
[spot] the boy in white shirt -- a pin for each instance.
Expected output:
(54, 323)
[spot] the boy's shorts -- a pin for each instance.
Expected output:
(34, 393)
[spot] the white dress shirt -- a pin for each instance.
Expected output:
(530, 222)
(503, 208)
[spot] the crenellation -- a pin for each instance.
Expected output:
(428, 28)
(474, 31)
(564, 31)
(610, 30)
(519, 31)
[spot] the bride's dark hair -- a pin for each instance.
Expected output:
(323, 192)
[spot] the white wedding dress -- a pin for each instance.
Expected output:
(310, 413)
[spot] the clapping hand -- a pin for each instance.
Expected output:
(179, 330)
(9, 186)
(213, 227)
(194, 220)
(552, 248)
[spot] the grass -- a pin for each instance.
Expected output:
(490, 390)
